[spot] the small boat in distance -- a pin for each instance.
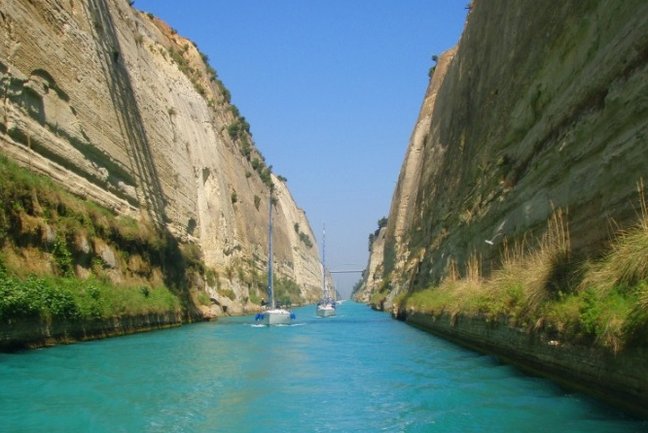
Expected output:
(326, 305)
(326, 308)
(273, 315)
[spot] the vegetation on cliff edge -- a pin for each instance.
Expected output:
(68, 298)
(67, 258)
(603, 302)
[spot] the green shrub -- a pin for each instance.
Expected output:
(228, 292)
(246, 148)
(63, 257)
(286, 291)
(203, 298)
(305, 239)
(34, 297)
(24, 193)
(266, 178)
(212, 277)
(635, 327)
(70, 298)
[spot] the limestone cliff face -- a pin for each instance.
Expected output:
(541, 106)
(403, 200)
(373, 276)
(116, 106)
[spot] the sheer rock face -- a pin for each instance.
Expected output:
(113, 104)
(373, 277)
(541, 106)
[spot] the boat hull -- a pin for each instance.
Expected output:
(278, 316)
(325, 310)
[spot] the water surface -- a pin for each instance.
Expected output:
(360, 371)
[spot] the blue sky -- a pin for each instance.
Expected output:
(331, 90)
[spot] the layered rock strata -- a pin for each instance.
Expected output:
(540, 107)
(115, 105)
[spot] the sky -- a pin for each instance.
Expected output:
(331, 90)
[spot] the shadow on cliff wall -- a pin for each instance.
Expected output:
(126, 109)
(130, 120)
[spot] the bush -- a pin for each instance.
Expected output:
(227, 292)
(63, 257)
(266, 178)
(305, 239)
(71, 299)
(286, 291)
(34, 297)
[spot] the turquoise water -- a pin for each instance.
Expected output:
(360, 371)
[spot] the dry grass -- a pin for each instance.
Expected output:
(616, 287)
(26, 261)
(526, 279)
(626, 264)
(538, 286)
(536, 275)
(451, 294)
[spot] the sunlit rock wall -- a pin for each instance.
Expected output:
(116, 106)
(543, 106)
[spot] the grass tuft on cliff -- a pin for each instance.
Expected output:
(65, 258)
(544, 289)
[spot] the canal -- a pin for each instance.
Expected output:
(360, 371)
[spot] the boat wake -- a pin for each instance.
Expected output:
(279, 325)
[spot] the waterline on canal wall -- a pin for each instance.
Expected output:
(618, 379)
(34, 332)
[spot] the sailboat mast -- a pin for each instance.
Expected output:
(270, 288)
(324, 260)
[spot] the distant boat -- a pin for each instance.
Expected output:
(326, 309)
(326, 305)
(273, 315)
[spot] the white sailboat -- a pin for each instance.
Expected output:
(326, 305)
(273, 315)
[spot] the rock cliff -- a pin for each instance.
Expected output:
(373, 276)
(116, 106)
(541, 106)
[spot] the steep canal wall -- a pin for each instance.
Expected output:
(38, 332)
(112, 105)
(541, 106)
(522, 196)
(621, 380)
